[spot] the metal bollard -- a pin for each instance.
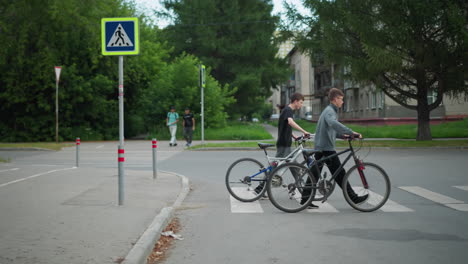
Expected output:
(78, 143)
(155, 146)
(121, 160)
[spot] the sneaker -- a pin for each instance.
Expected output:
(175, 144)
(360, 199)
(170, 144)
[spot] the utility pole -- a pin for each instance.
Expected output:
(202, 88)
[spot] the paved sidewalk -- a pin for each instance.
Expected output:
(74, 216)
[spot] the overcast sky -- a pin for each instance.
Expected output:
(146, 6)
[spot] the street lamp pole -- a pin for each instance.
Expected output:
(57, 75)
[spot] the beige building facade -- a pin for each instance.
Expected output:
(363, 103)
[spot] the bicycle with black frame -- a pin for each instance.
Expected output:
(293, 186)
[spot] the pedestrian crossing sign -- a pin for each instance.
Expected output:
(120, 36)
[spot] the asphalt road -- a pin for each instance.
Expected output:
(428, 232)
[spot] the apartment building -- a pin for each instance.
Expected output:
(363, 103)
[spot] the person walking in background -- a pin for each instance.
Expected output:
(171, 121)
(189, 126)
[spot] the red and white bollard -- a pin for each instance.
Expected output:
(121, 160)
(78, 143)
(155, 146)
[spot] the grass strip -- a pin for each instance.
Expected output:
(2, 160)
(456, 129)
(41, 145)
(366, 143)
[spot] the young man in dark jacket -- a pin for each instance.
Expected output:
(285, 125)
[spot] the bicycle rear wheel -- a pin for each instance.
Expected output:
(246, 179)
(290, 187)
(373, 181)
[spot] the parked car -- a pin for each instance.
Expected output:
(274, 116)
(254, 119)
(308, 116)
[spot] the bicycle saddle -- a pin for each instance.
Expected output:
(265, 145)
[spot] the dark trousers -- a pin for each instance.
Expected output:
(333, 165)
(188, 132)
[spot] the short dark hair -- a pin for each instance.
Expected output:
(297, 97)
(333, 93)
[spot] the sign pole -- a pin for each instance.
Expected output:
(121, 150)
(120, 36)
(202, 86)
(57, 75)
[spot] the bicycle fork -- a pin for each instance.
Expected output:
(361, 168)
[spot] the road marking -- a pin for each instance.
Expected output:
(34, 176)
(437, 197)
(389, 206)
(459, 207)
(9, 170)
(98, 147)
(241, 207)
(465, 188)
(430, 195)
(323, 208)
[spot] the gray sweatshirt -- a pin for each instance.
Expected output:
(328, 129)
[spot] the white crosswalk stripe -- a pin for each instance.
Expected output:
(323, 208)
(465, 188)
(389, 206)
(436, 197)
(241, 207)
(430, 195)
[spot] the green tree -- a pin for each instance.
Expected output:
(235, 39)
(178, 85)
(407, 48)
(38, 35)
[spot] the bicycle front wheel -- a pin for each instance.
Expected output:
(373, 181)
(290, 187)
(246, 179)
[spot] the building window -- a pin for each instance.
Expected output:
(380, 99)
(373, 100)
(348, 104)
(368, 101)
(431, 97)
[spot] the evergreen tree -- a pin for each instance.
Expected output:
(233, 38)
(407, 48)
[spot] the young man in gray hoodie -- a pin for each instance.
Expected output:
(327, 131)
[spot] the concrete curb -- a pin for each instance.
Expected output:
(145, 244)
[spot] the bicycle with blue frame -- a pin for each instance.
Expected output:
(246, 177)
(294, 186)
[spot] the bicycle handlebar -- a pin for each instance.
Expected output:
(304, 137)
(352, 137)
